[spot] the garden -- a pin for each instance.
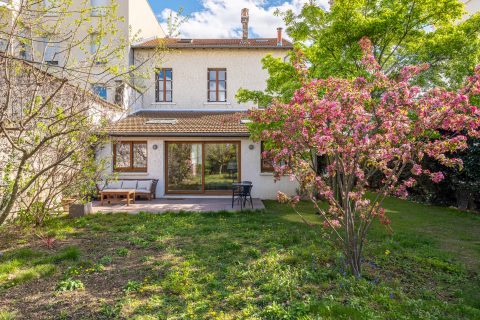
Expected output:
(251, 265)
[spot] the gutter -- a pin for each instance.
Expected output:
(179, 134)
(218, 47)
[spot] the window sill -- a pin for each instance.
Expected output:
(266, 174)
(164, 104)
(127, 174)
(216, 103)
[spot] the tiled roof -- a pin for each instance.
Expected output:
(187, 124)
(173, 43)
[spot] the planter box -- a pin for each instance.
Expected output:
(79, 210)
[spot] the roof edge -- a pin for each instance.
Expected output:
(180, 134)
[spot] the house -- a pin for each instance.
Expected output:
(472, 6)
(188, 131)
(48, 26)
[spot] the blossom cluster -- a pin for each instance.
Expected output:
(369, 125)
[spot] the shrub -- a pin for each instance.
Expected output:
(70, 284)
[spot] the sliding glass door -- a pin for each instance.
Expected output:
(205, 167)
(221, 166)
(184, 167)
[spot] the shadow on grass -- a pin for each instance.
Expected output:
(230, 265)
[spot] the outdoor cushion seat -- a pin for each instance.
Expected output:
(144, 184)
(114, 184)
(144, 188)
(129, 184)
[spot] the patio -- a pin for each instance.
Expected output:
(175, 205)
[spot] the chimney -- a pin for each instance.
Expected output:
(245, 19)
(279, 37)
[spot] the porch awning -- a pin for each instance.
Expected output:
(181, 124)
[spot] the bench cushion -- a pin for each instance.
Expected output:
(129, 184)
(114, 185)
(145, 186)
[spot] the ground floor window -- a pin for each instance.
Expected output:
(130, 156)
(266, 163)
(202, 167)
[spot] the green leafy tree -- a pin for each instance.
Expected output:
(403, 32)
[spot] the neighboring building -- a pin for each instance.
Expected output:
(136, 22)
(188, 131)
(472, 6)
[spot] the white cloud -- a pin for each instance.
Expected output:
(221, 18)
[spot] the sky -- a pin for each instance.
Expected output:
(221, 18)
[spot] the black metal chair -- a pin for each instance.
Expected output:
(243, 193)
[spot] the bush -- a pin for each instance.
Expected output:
(70, 284)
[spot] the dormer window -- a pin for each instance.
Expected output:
(217, 85)
(164, 85)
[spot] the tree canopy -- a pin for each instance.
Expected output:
(403, 32)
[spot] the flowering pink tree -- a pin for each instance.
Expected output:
(362, 127)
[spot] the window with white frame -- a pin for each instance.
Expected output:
(100, 90)
(97, 47)
(99, 7)
(51, 7)
(3, 44)
(25, 45)
(52, 51)
(94, 43)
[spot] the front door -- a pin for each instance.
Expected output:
(202, 167)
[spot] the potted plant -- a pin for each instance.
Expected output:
(78, 203)
(80, 208)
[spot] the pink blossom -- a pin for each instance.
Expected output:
(417, 170)
(437, 177)
(346, 122)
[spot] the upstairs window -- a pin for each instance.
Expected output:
(51, 7)
(3, 44)
(100, 90)
(52, 51)
(130, 156)
(99, 7)
(217, 85)
(98, 46)
(164, 85)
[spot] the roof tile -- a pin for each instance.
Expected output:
(188, 124)
(175, 43)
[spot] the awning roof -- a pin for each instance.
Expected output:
(181, 124)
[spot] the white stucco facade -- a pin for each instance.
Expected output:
(472, 6)
(190, 82)
(265, 186)
(190, 68)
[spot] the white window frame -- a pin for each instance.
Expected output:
(99, 7)
(3, 45)
(51, 53)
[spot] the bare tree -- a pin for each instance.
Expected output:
(53, 57)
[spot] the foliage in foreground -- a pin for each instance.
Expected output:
(261, 265)
(361, 127)
(402, 33)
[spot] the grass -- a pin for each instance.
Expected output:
(256, 265)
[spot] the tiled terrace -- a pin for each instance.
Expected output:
(176, 205)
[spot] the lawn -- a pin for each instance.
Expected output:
(250, 265)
